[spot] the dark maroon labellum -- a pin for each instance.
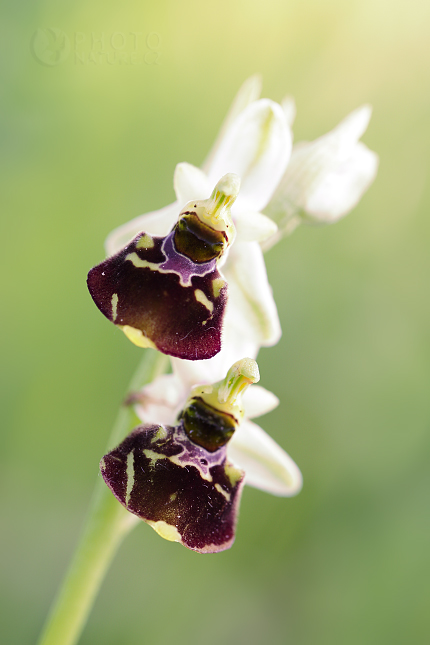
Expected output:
(161, 298)
(186, 493)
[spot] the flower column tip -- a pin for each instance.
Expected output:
(217, 208)
(213, 412)
(240, 375)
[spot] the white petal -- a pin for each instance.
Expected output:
(338, 144)
(289, 106)
(352, 127)
(156, 223)
(253, 227)
(161, 400)
(267, 465)
(326, 177)
(286, 229)
(248, 93)
(257, 147)
(258, 401)
(251, 309)
(339, 191)
(190, 183)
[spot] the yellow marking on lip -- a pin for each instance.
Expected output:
(136, 336)
(145, 242)
(153, 456)
(234, 474)
(217, 285)
(130, 476)
(175, 459)
(223, 492)
(160, 434)
(142, 264)
(114, 303)
(200, 297)
(166, 531)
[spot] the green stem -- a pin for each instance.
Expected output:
(106, 526)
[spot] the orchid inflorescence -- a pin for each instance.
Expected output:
(189, 280)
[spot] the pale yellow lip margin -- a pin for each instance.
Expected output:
(166, 531)
(136, 336)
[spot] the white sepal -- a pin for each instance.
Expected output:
(190, 183)
(327, 177)
(248, 93)
(156, 223)
(251, 310)
(353, 126)
(289, 106)
(267, 466)
(254, 227)
(258, 401)
(340, 190)
(257, 147)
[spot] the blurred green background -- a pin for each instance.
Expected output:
(88, 145)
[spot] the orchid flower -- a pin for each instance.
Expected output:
(321, 182)
(255, 143)
(318, 182)
(325, 178)
(166, 292)
(185, 477)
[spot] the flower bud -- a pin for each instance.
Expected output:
(325, 178)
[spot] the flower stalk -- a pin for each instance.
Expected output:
(106, 526)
